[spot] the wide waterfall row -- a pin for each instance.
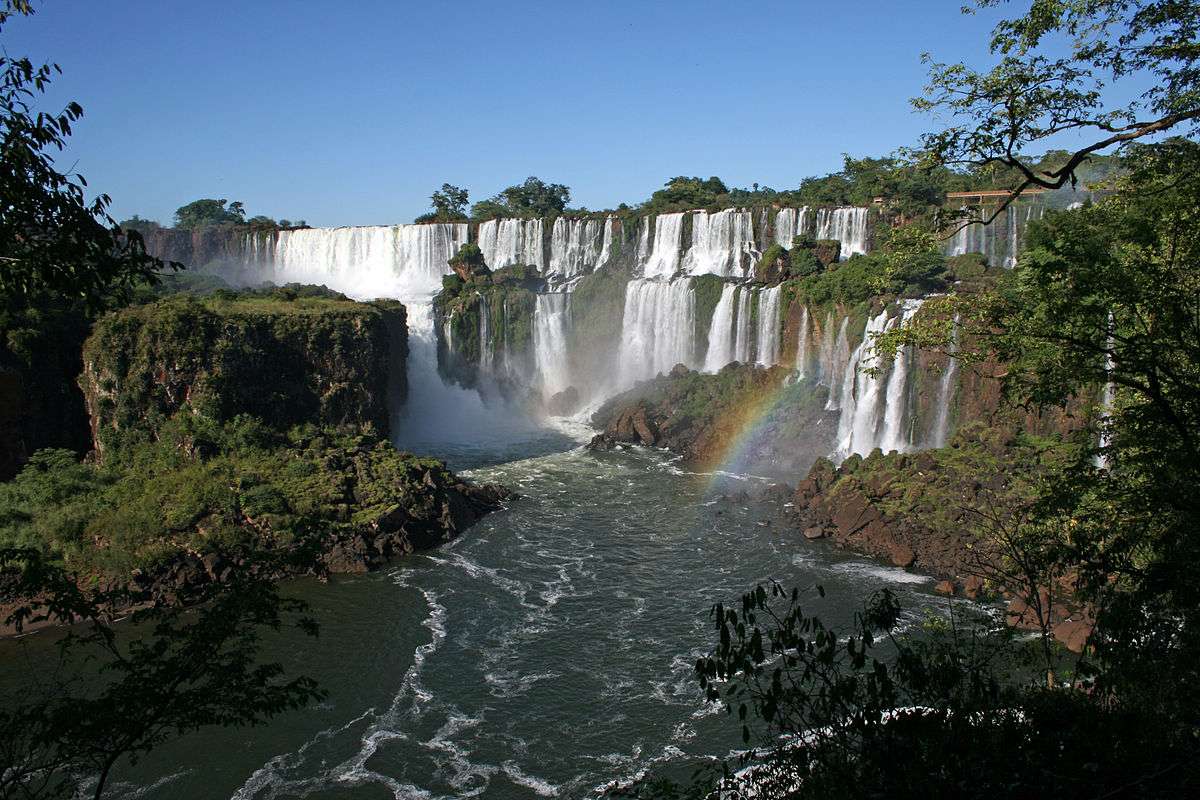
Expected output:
(402, 261)
(999, 241)
(724, 242)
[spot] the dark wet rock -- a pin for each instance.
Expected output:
(563, 403)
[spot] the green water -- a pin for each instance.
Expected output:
(547, 652)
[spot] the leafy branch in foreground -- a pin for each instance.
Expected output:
(116, 693)
(1033, 93)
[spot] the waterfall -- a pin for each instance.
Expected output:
(658, 328)
(720, 331)
(785, 227)
(946, 387)
(663, 259)
(550, 321)
(643, 248)
(834, 366)
(606, 246)
(768, 326)
(999, 241)
(847, 225)
(505, 242)
(790, 223)
(575, 246)
(741, 339)
(721, 243)
(398, 261)
(486, 348)
(895, 410)
(802, 345)
(857, 426)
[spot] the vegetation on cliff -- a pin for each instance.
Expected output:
(484, 316)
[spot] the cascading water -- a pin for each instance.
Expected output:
(835, 353)
(998, 241)
(790, 223)
(607, 242)
(576, 246)
(663, 259)
(722, 243)
(895, 413)
(398, 261)
(860, 390)
(940, 434)
(550, 322)
(720, 331)
(847, 225)
(487, 348)
(802, 345)
(505, 242)
(658, 328)
(768, 326)
(741, 325)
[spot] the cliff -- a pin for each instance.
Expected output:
(745, 417)
(285, 356)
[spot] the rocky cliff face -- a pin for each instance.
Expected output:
(279, 356)
(210, 246)
(747, 417)
(942, 512)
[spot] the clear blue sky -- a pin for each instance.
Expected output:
(352, 113)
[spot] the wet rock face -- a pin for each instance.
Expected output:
(779, 427)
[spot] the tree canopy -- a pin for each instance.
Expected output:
(199, 213)
(1033, 93)
(532, 198)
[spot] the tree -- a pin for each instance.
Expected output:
(201, 213)
(1032, 94)
(450, 202)
(51, 238)
(533, 198)
(119, 692)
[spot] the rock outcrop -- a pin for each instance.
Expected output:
(930, 511)
(746, 417)
(284, 356)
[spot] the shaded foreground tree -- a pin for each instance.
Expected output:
(116, 693)
(52, 239)
(1034, 93)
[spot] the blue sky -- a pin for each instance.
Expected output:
(352, 113)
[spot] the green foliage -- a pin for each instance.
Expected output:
(449, 205)
(684, 194)
(52, 240)
(115, 696)
(533, 198)
(203, 486)
(1035, 92)
(290, 354)
(468, 262)
(873, 711)
(201, 213)
(802, 259)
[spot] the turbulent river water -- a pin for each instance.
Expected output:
(546, 653)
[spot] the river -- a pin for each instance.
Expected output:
(546, 653)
